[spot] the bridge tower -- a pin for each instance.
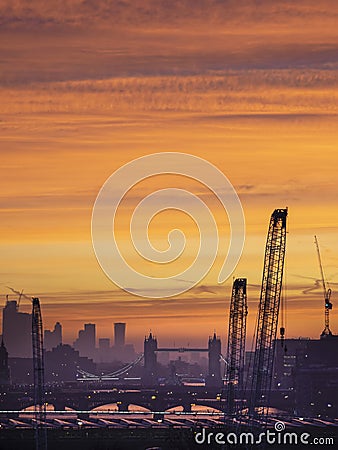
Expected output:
(214, 378)
(150, 359)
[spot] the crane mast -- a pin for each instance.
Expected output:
(39, 388)
(268, 313)
(236, 342)
(327, 296)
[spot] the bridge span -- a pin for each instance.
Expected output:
(88, 398)
(162, 398)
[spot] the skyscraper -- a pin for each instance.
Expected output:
(86, 341)
(17, 330)
(119, 334)
(104, 352)
(53, 338)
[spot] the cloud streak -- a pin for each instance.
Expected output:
(231, 94)
(143, 12)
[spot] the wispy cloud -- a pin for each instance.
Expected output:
(280, 95)
(143, 12)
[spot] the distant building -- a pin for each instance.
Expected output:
(128, 353)
(195, 357)
(53, 338)
(104, 351)
(308, 368)
(21, 370)
(121, 351)
(119, 334)
(163, 358)
(62, 362)
(86, 341)
(17, 330)
(316, 378)
(4, 369)
(285, 362)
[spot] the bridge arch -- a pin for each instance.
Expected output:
(176, 408)
(106, 407)
(204, 408)
(115, 406)
(194, 408)
(134, 407)
(30, 408)
(49, 407)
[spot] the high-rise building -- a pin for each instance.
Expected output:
(119, 334)
(17, 330)
(53, 338)
(4, 369)
(104, 352)
(86, 341)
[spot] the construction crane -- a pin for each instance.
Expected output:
(20, 294)
(236, 343)
(39, 385)
(327, 295)
(268, 310)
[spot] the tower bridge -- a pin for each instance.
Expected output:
(151, 349)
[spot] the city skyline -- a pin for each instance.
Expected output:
(168, 223)
(17, 332)
(253, 91)
(86, 338)
(55, 334)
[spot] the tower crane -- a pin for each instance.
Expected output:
(39, 388)
(268, 311)
(20, 295)
(236, 342)
(327, 295)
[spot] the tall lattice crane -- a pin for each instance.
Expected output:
(327, 295)
(268, 313)
(236, 342)
(39, 385)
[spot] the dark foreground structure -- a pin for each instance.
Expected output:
(159, 438)
(166, 432)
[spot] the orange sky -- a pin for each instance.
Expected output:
(253, 88)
